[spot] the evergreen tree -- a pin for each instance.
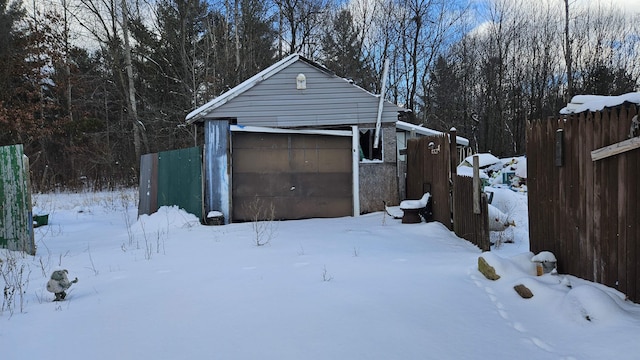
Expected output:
(342, 47)
(600, 79)
(13, 87)
(444, 103)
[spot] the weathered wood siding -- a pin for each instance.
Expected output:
(467, 225)
(327, 101)
(586, 212)
(428, 171)
(16, 222)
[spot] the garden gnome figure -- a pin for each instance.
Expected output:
(59, 283)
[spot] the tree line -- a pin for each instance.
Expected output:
(90, 85)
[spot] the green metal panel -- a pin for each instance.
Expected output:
(180, 179)
(16, 224)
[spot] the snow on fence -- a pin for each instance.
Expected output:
(585, 209)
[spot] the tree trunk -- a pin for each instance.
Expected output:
(139, 136)
(567, 52)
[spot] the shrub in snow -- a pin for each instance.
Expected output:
(15, 275)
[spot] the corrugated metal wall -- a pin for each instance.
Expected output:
(172, 178)
(16, 221)
(148, 188)
(586, 212)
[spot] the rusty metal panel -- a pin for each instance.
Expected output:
(301, 175)
(148, 188)
(16, 221)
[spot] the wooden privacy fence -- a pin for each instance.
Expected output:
(467, 223)
(16, 218)
(586, 211)
(429, 169)
(428, 164)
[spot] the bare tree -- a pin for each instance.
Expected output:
(567, 51)
(300, 28)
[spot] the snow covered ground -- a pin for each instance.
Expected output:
(368, 287)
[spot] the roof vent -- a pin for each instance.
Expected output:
(301, 82)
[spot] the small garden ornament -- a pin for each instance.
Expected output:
(59, 283)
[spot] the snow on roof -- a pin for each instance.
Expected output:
(484, 159)
(580, 103)
(419, 129)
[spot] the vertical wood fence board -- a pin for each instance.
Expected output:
(415, 158)
(587, 211)
(632, 212)
(436, 172)
(621, 251)
(553, 191)
(601, 130)
(586, 246)
(470, 226)
(564, 195)
(532, 190)
(611, 199)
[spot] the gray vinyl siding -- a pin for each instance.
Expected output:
(327, 101)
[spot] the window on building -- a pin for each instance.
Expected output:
(367, 151)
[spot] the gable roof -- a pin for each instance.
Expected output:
(210, 107)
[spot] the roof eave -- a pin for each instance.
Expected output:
(202, 112)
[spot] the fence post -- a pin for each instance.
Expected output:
(453, 156)
(476, 184)
(453, 150)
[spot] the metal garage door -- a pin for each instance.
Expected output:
(301, 175)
